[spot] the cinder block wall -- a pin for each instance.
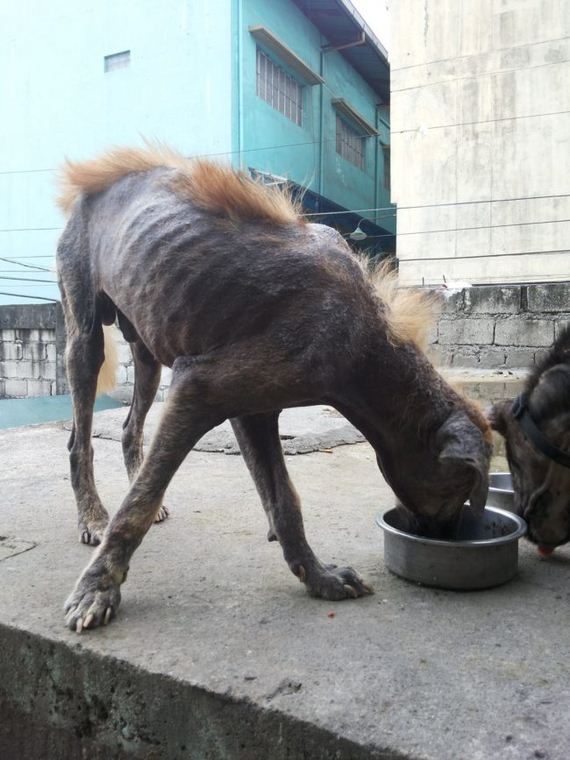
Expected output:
(126, 374)
(488, 327)
(27, 363)
(32, 344)
(493, 327)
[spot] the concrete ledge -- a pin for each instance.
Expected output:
(486, 385)
(219, 654)
(62, 701)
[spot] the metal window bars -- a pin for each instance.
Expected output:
(278, 88)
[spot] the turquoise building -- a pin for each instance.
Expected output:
(292, 90)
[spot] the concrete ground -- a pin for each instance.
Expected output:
(217, 651)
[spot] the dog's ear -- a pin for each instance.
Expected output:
(496, 414)
(463, 449)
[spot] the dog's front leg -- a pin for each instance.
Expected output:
(258, 437)
(185, 419)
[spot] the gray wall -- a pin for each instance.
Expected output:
(500, 327)
(480, 117)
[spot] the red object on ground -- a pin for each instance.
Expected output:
(331, 614)
(545, 551)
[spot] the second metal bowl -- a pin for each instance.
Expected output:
(484, 554)
(501, 491)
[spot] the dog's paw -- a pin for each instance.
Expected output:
(91, 530)
(93, 602)
(336, 583)
(162, 514)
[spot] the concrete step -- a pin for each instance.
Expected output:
(486, 386)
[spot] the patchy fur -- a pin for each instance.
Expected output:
(411, 313)
(210, 186)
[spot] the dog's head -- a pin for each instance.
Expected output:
(541, 486)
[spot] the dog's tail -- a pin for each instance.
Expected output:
(107, 379)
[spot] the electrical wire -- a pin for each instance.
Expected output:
(43, 256)
(28, 266)
(482, 121)
(29, 279)
(202, 155)
(28, 229)
(510, 48)
(484, 255)
(463, 229)
(524, 279)
(22, 295)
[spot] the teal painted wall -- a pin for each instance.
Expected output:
(272, 142)
(57, 100)
(190, 82)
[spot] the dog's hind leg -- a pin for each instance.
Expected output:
(84, 356)
(185, 419)
(147, 380)
(258, 437)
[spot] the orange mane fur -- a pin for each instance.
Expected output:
(410, 313)
(209, 185)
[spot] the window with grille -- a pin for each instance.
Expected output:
(386, 155)
(349, 143)
(279, 89)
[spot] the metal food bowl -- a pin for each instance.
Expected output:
(501, 491)
(483, 554)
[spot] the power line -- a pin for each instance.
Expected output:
(29, 229)
(22, 295)
(489, 200)
(496, 50)
(206, 155)
(482, 75)
(29, 279)
(483, 255)
(394, 207)
(482, 121)
(524, 279)
(463, 229)
(397, 208)
(27, 171)
(353, 211)
(28, 266)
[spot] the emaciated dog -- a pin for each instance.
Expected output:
(537, 433)
(220, 278)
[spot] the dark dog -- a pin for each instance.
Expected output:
(541, 484)
(255, 310)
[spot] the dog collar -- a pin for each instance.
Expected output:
(521, 413)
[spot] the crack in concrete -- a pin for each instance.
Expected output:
(11, 546)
